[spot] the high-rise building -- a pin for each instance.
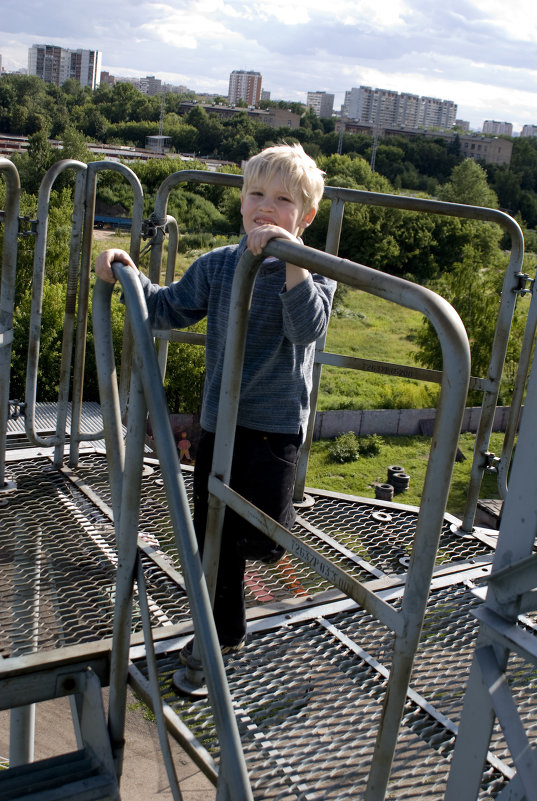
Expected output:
(529, 130)
(385, 108)
(56, 65)
(245, 86)
(321, 102)
(498, 128)
(150, 85)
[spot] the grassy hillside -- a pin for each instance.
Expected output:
(373, 328)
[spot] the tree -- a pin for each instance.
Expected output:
(475, 292)
(468, 184)
(185, 373)
(33, 164)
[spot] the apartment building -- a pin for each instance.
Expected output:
(529, 130)
(56, 64)
(246, 86)
(383, 108)
(498, 128)
(150, 85)
(322, 103)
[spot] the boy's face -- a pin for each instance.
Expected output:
(270, 203)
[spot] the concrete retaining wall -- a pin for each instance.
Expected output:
(395, 422)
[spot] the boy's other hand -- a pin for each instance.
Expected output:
(104, 261)
(261, 235)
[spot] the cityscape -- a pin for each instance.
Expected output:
(364, 107)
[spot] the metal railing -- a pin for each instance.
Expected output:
(489, 386)
(77, 301)
(125, 466)
(405, 624)
(7, 297)
(81, 241)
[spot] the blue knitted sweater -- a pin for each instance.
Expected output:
(282, 330)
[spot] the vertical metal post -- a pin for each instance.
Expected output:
(69, 319)
(126, 536)
(83, 297)
(26, 601)
(517, 397)
(332, 246)
(37, 297)
(7, 297)
(497, 359)
(171, 225)
(515, 543)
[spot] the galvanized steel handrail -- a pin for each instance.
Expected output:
(147, 392)
(7, 296)
(338, 198)
(93, 169)
(78, 281)
(490, 385)
(456, 361)
(505, 316)
(37, 305)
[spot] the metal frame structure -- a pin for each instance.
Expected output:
(515, 284)
(504, 631)
(406, 624)
(7, 297)
(126, 468)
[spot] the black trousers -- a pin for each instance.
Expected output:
(263, 471)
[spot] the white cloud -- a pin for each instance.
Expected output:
(516, 19)
(186, 27)
(479, 53)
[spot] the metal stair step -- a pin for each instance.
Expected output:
(68, 776)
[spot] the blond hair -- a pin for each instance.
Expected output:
(300, 175)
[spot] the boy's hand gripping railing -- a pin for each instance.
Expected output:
(147, 393)
(406, 624)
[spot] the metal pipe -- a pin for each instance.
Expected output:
(37, 299)
(232, 769)
(127, 544)
(517, 397)
(26, 603)
(83, 299)
(333, 236)
(7, 298)
(456, 357)
(69, 320)
(173, 233)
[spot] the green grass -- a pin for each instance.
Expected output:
(373, 328)
(412, 453)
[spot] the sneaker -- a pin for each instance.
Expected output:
(186, 656)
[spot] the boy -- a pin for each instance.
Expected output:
(289, 312)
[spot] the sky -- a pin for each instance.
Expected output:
(481, 54)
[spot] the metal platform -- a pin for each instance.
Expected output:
(308, 688)
(311, 708)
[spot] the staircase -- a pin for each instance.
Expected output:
(87, 774)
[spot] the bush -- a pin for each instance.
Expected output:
(348, 447)
(345, 448)
(371, 445)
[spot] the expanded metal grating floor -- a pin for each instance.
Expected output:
(309, 687)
